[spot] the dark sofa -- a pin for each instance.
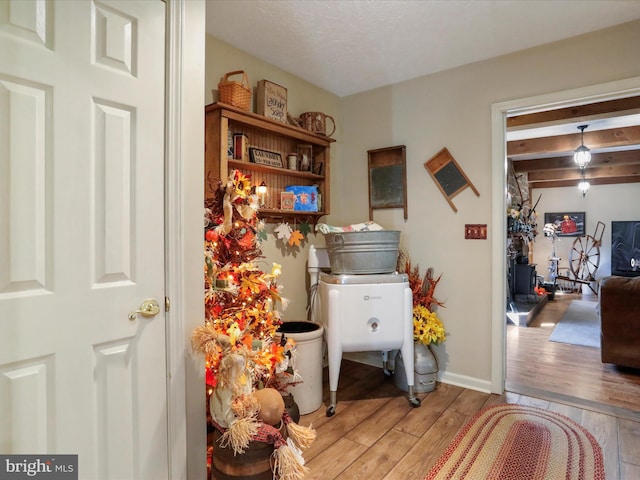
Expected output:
(619, 306)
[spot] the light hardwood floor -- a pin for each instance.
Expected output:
(569, 373)
(375, 434)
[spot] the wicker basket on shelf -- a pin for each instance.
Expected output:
(237, 94)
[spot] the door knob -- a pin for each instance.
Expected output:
(149, 308)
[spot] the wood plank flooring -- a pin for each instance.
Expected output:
(570, 373)
(376, 435)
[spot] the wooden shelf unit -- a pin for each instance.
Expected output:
(273, 136)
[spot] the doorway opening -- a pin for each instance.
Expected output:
(501, 112)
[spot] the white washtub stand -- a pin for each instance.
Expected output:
(367, 313)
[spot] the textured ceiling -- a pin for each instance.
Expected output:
(350, 46)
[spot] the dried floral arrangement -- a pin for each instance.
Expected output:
(427, 326)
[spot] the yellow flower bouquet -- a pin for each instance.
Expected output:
(427, 327)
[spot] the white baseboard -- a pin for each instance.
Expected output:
(464, 381)
(374, 359)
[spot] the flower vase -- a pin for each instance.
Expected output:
(425, 369)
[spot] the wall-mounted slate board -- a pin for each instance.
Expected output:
(448, 175)
(450, 178)
(387, 179)
(387, 186)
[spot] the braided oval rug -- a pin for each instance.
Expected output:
(516, 442)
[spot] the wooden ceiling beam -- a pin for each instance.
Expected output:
(624, 157)
(548, 162)
(592, 181)
(575, 112)
(614, 137)
(590, 173)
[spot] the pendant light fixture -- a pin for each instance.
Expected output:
(583, 186)
(582, 155)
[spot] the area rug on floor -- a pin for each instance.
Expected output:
(508, 442)
(579, 325)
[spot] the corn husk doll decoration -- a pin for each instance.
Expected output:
(246, 360)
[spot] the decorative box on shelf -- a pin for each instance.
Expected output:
(306, 197)
(240, 147)
(287, 200)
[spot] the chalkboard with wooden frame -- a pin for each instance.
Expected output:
(448, 175)
(387, 179)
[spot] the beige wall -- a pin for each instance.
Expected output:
(451, 109)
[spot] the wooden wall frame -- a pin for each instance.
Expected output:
(448, 175)
(387, 179)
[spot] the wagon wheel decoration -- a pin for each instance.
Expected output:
(584, 257)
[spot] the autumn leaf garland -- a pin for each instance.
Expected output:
(289, 236)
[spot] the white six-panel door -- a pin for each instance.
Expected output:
(81, 234)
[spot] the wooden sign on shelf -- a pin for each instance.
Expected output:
(264, 157)
(448, 175)
(272, 101)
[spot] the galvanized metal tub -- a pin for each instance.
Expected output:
(363, 253)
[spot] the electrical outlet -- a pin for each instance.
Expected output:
(475, 231)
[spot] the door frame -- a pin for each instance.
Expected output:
(184, 200)
(499, 113)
